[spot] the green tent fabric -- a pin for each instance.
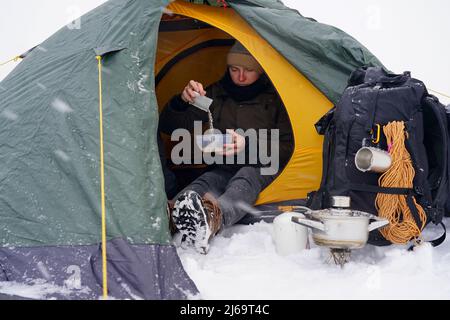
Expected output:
(50, 212)
(323, 54)
(50, 152)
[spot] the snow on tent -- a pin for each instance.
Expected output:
(58, 224)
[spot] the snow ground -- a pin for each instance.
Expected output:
(243, 264)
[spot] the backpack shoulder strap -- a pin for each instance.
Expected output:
(437, 143)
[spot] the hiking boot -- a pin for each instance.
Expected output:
(215, 214)
(197, 219)
(170, 207)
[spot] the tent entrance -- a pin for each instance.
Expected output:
(304, 103)
(188, 49)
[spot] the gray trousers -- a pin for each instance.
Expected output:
(236, 190)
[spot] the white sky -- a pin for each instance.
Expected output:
(405, 35)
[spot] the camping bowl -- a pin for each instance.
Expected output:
(213, 142)
(340, 228)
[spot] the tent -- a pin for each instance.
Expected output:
(82, 202)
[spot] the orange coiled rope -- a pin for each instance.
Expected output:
(402, 227)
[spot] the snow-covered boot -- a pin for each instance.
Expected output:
(197, 219)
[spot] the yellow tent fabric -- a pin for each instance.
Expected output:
(304, 103)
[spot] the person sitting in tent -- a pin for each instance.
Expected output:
(244, 98)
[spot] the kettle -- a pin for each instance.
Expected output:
(289, 238)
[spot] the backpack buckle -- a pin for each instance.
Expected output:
(376, 135)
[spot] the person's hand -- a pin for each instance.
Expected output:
(191, 90)
(237, 145)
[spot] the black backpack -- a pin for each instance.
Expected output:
(372, 99)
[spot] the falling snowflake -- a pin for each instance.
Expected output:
(61, 106)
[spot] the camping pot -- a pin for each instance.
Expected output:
(372, 159)
(340, 227)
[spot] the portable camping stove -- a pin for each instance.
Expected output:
(340, 228)
(339, 256)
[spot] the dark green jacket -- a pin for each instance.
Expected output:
(265, 111)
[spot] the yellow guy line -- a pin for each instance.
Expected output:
(15, 59)
(102, 178)
(442, 94)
